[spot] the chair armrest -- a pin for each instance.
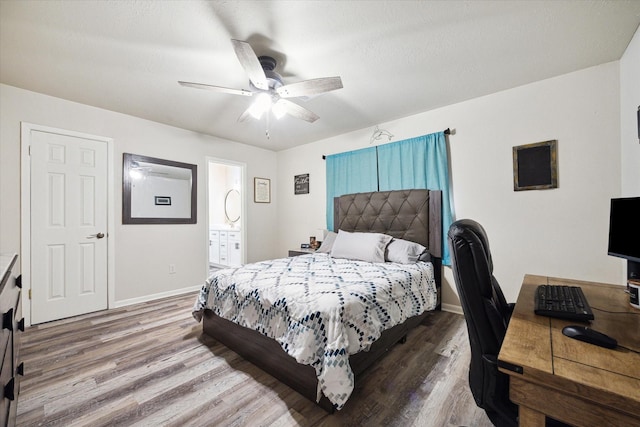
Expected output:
(491, 359)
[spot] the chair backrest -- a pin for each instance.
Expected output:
(485, 309)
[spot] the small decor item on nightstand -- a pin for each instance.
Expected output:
(313, 243)
(634, 293)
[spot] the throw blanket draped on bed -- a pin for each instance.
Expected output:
(320, 309)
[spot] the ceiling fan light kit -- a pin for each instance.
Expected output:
(268, 88)
(261, 105)
(279, 110)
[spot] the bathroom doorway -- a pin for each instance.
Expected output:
(226, 216)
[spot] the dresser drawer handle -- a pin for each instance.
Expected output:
(9, 389)
(7, 320)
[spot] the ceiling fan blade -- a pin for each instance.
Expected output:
(310, 87)
(250, 63)
(296, 111)
(242, 92)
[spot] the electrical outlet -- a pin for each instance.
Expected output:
(172, 269)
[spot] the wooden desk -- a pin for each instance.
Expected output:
(569, 380)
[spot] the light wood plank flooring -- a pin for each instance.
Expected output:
(150, 365)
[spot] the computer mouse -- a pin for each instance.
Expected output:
(586, 334)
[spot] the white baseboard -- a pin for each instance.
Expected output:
(452, 308)
(153, 297)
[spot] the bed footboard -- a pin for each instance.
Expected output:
(267, 354)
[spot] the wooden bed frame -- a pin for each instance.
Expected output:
(408, 214)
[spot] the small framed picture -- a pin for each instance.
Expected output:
(261, 190)
(163, 200)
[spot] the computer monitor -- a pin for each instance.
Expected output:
(624, 228)
(624, 241)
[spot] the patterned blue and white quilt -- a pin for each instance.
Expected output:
(320, 309)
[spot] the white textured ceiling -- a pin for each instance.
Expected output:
(396, 58)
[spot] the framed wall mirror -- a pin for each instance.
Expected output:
(157, 191)
(232, 206)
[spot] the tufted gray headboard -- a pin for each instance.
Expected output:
(413, 215)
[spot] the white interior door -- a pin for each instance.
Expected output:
(68, 225)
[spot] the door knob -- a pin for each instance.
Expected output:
(96, 236)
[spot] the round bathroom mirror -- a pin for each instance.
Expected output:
(232, 205)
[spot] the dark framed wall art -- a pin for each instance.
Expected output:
(163, 200)
(301, 184)
(535, 166)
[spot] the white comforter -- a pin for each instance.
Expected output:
(321, 309)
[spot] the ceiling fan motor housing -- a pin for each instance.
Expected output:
(268, 65)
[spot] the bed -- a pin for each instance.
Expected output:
(332, 356)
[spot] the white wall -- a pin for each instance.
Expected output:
(143, 252)
(560, 232)
(629, 102)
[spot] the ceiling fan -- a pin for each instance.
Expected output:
(270, 93)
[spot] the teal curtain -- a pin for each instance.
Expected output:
(420, 162)
(350, 172)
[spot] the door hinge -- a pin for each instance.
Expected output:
(29, 293)
(29, 150)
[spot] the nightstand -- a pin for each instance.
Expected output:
(298, 252)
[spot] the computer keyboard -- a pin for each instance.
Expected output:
(564, 302)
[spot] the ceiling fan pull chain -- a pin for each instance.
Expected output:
(267, 130)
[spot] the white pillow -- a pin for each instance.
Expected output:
(360, 246)
(327, 243)
(403, 251)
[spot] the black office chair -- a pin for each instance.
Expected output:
(487, 315)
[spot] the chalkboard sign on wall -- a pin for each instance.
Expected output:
(535, 166)
(301, 184)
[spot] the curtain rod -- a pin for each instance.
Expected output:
(447, 131)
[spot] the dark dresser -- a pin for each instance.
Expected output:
(12, 325)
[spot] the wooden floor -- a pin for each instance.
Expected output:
(149, 365)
